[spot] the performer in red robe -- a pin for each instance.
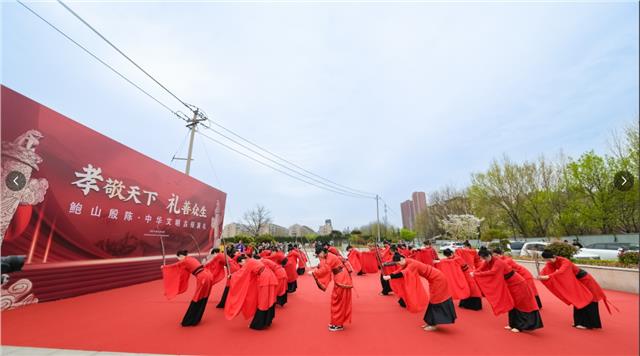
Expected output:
(332, 267)
(576, 287)
(440, 309)
(354, 258)
(293, 261)
(302, 264)
(470, 256)
(176, 280)
(474, 300)
(507, 291)
(252, 292)
(521, 270)
(230, 265)
(391, 267)
(369, 261)
(384, 257)
(427, 254)
(451, 267)
(281, 276)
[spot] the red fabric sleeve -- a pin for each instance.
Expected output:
(322, 274)
(369, 261)
(415, 296)
(492, 284)
(354, 259)
(458, 286)
(216, 267)
(243, 292)
(566, 287)
(175, 279)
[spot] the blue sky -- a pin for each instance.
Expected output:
(382, 97)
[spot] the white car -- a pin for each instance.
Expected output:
(531, 249)
(451, 246)
(607, 250)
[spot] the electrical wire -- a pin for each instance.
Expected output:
(284, 166)
(190, 107)
(215, 174)
(279, 170)
(96, 57)
(311, 175)
(339, 186)
(330, 186)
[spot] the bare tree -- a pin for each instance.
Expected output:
(255, 220)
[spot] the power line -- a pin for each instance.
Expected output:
(190, 107)
(355, 191)
(173, 158)
(322, 180)
(97, 58)
(279, 170)
(284, 166)
(215, 174)
(333, 186)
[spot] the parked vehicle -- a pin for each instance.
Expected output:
(531, 249)
(451, 246)
(516, 247)
(607, 250)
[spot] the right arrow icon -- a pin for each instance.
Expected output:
(623, 181)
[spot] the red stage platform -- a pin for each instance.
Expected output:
(139, 319)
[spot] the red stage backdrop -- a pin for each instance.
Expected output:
(70, 194)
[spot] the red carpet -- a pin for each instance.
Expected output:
(139, 319)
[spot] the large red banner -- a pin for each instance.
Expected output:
(72, 194)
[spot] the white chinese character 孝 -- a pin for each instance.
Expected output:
(113, 214)
(151, 197)
(203, 212)
(159, 220)
(89, 179)
(96, 211)
(114, 188)
(128, 216)
(75, 208)
(177, 222)
(173, 204)
(186, 207)
(134, 192)
(148, 218)
(168, 221)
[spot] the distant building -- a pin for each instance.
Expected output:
(297, 230)
(419, 203)
(274, 230)
(233, 230)
(408, 215)
(411, 209)
(325, 229)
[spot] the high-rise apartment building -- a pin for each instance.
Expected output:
(411, 209)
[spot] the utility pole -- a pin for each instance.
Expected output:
(378, 217)
(386, 222)
(192, 124)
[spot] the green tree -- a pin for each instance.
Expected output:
(407, 235)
